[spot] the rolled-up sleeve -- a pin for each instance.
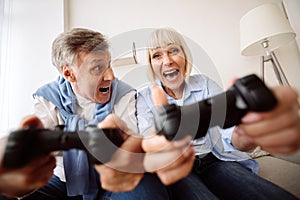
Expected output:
(226, 139)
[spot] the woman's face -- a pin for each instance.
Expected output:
(94, 76)
(168, 64)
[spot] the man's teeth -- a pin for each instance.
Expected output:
(171, 73)
(104, 89)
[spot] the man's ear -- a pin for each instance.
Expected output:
(68, 73)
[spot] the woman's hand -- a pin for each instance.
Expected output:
(171, 160)
(276, 131)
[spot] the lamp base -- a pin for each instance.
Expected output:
(276, 67)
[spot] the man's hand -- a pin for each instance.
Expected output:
(125, 170)
(276, 131)
(171, 161)
(34, 175)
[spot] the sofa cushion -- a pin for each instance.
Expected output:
(283, 173)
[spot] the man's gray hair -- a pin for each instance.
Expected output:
(68, 45)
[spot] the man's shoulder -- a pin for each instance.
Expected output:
(50, 85)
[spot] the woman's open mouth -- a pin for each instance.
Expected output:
(171, 75)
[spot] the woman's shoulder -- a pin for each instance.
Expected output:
(205, 83)
(146, 91)
(199, 79)
(144, 97)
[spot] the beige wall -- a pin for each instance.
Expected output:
(213, 25)
(212, 28)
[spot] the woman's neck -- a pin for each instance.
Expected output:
(177, 93)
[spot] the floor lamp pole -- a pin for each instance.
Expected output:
(276, 67)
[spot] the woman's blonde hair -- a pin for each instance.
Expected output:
(164, 36)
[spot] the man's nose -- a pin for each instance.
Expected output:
(108, 74)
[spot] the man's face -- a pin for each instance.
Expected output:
(93, 76)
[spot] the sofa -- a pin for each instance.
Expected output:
(283, 170)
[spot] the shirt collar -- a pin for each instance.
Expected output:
(190, 86)
(83, 102)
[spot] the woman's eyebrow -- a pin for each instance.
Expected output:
(159, 47)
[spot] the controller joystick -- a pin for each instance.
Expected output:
(224, 110)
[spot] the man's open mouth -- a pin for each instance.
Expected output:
(104, 89)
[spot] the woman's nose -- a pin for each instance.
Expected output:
(167, 60)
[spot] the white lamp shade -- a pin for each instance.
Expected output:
(266, 22)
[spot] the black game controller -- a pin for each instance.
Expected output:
(224, 110)
(25, 144)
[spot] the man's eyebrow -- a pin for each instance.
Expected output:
(94, 61)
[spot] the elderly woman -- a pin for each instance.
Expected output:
(220, 169)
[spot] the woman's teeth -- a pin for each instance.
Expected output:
(171, 73)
